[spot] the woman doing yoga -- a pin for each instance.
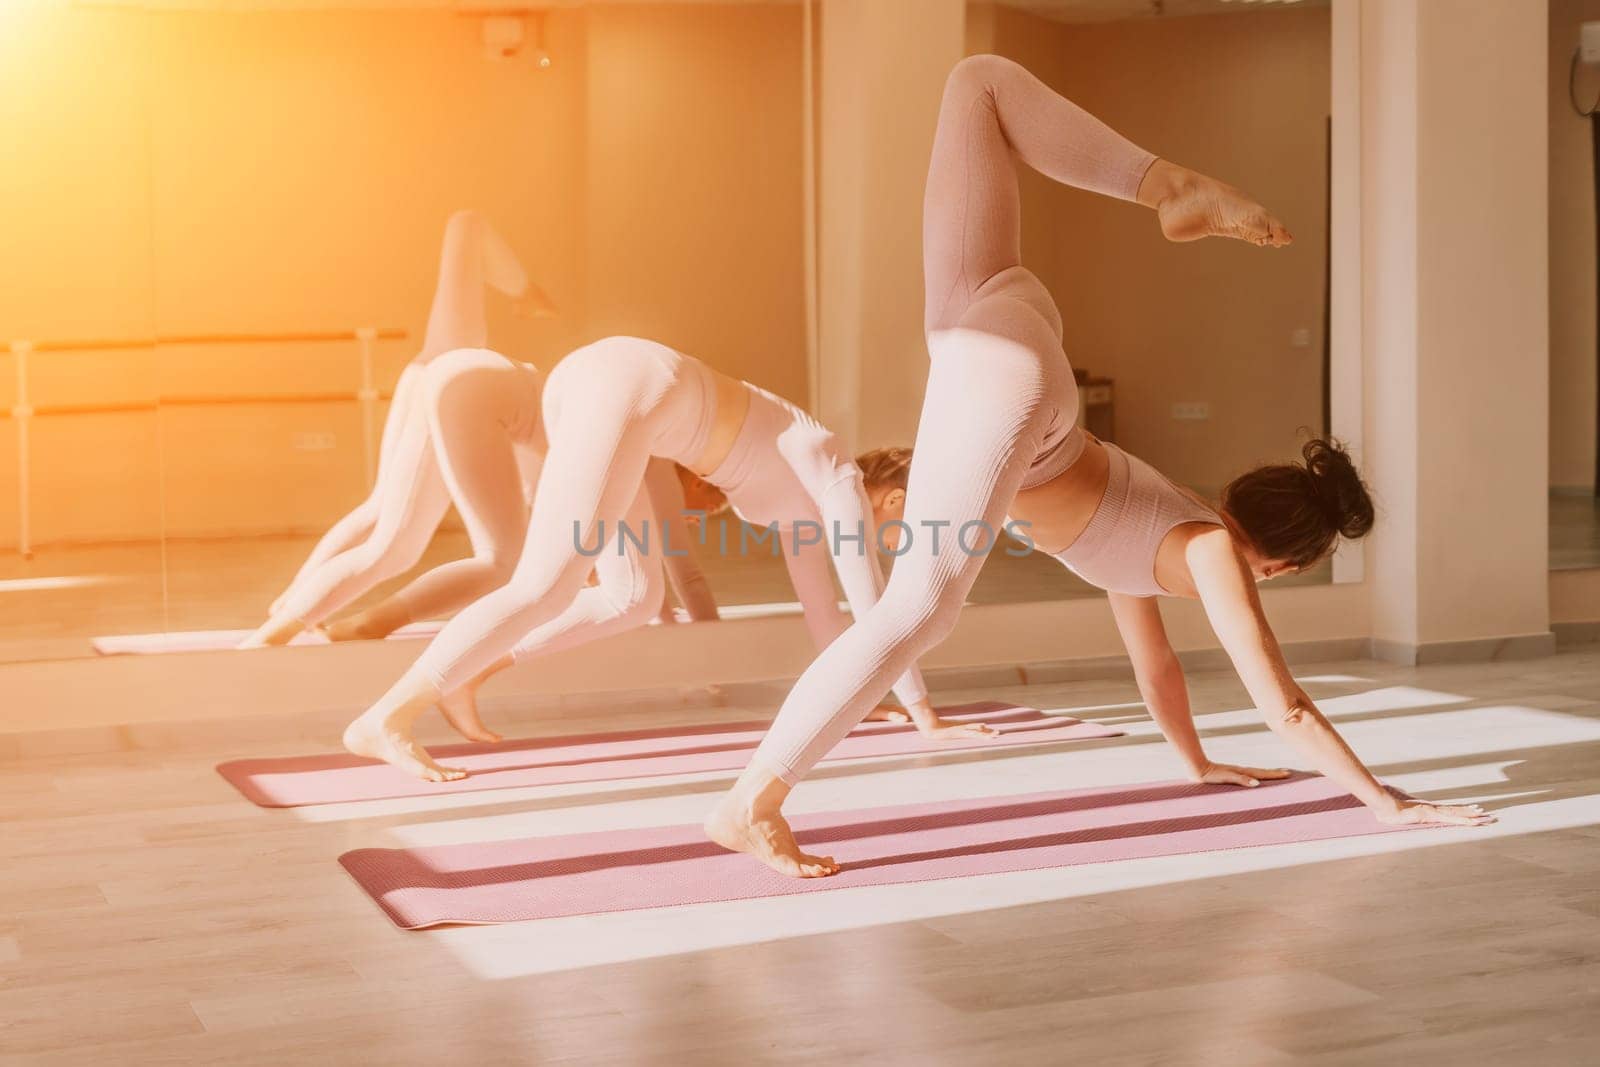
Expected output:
(463, 426)
(997, 437)
(608, 409)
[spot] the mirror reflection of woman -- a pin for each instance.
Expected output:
(464, 427)
(997, 438)
(609, 409)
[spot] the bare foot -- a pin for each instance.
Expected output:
(1191, 206)
(767, 837)
(887, 713)
(275, 631)
(377, 736)
(461, 711)
(358, 627)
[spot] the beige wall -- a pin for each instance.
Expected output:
(1455, 318)
(1244, 97)
(880, 92)
(1483, 321)
(694, 191)
(191, 172)
(1572, 256)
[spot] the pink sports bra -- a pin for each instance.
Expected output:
(1117, 550)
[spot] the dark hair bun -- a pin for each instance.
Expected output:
(1338, 487)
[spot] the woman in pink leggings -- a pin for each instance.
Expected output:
(996, 438)
(609, 408)
(481, 405)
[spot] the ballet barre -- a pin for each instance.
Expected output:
(23, 411)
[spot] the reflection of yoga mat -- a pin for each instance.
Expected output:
(217, 640)
(295, 781)
(625, 870)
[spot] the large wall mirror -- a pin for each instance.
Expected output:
(224, 227)
(1574, 354)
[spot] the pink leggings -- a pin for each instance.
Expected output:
(475, 442)
(608, 408)
(1000, 400)
(386, 534)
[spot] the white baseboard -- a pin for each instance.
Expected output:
(1570, 634)
(1475, 650)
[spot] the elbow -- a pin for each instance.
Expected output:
(1296, 713)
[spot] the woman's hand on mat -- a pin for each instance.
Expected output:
(944, 730)
(1408, 809)
(929, 724)
(1249, 777)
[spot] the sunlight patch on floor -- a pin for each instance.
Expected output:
(1462, 755)
(544, 946)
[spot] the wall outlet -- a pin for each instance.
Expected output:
(1300, 338)
(318, 441)
(1191, 411)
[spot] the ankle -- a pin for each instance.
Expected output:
(1164, 181)
(759, 793)
(406, 703)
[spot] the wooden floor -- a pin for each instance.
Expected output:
(150, 916)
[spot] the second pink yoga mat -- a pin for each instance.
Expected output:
(657, 867)
(296, 781)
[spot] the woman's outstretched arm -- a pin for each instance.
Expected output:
(1166, 694)
(1229, 596)
(676, 541)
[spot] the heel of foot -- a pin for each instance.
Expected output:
(723, 830)
(358, 741)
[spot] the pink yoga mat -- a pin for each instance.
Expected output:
(217, 640)
(657, 867)
(296, 781)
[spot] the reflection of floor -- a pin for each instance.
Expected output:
(153, 916)
(225, 585)
(1574, 532)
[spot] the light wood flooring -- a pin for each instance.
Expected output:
(148, 915)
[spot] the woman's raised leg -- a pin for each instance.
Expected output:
(971, 218)
(998, 374)
(473, 256)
